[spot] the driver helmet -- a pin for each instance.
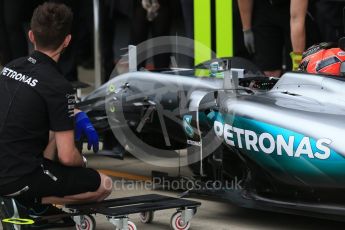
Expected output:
(324, 58)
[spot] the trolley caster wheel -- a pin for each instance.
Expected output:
(88, 223)
(131, 226)
(146, 217)
(176, 222)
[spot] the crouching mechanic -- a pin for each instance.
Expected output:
(34, 100)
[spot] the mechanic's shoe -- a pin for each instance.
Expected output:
(9, 208)
(46, 211)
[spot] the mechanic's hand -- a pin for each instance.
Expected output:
(249, 41)
(84, 127)
(296, 60)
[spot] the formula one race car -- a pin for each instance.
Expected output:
(282, 138)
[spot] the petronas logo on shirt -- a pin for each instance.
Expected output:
(7, 72)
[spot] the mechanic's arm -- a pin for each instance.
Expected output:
(298, 11)
(50, 151)
(246, 12)
(67, 152)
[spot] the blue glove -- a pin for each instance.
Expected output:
(84, 127)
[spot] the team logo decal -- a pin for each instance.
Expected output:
(18, 221)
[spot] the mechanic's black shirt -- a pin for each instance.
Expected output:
(34, 98)
(278, 2)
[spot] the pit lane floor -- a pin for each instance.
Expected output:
(211, 215)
